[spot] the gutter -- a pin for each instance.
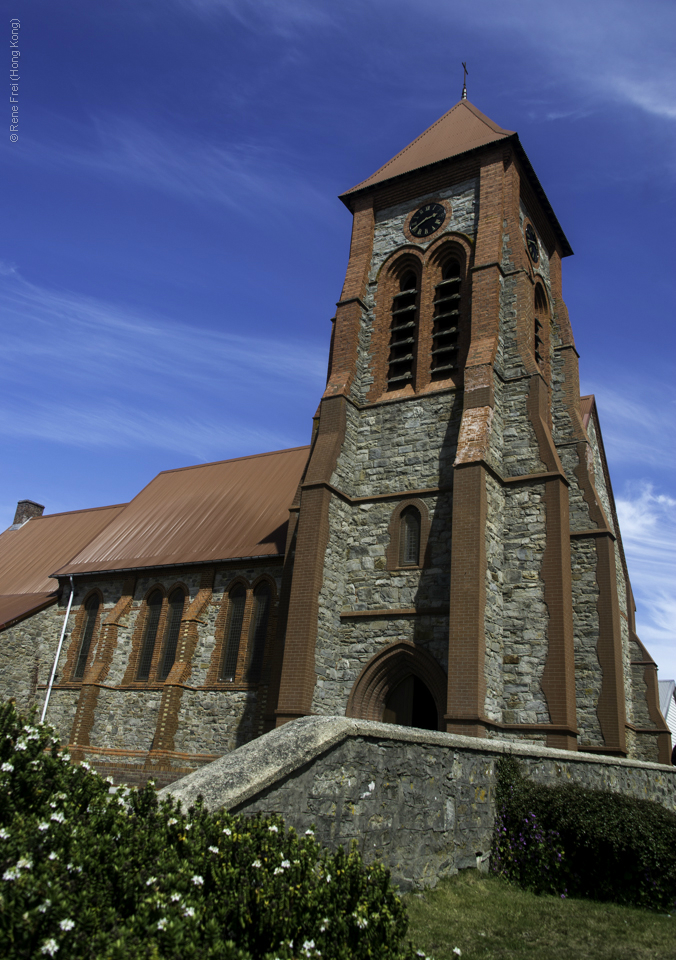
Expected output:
(58, 651)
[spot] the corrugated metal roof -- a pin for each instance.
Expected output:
(214, 511)
(463, 128)
(28, 555)
(586, 407)
(15, 608)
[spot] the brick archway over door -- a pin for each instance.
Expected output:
(386, 670)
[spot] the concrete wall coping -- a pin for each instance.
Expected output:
(251, 769)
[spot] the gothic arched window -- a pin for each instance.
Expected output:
(172, 632)
(409, 538)
(153, 612)
(447, 300)
(262, 598)
(91, 608)
(236, 604)
(539, 318)
(403, 333)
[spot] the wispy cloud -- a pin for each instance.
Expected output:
(648, 524)
(98, 374)
(233, 174)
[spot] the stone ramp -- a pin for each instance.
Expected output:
(419, 801)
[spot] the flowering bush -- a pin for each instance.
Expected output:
(89, 870)
(586, 843)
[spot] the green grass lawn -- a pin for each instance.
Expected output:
(488, 919)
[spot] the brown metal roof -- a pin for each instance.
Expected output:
(463, 128)
(586, 407)
(214, 511)
(28, 555)
(21, 605)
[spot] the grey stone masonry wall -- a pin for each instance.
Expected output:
(588, 677)
(423, 803)
(25, 658)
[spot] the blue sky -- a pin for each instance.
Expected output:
(174, 245)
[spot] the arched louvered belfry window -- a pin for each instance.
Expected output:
(236, 604)
(539, 318)
(262, 600)
(409, 538)
(91, 612)
(153, 612)
(447, 300)
(173, 631)
(403, 333)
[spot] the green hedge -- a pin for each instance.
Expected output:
(93, 871)
(586, 843)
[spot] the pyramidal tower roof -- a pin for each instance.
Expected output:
(463, 128)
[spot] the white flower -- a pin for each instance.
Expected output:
(44, 907)
(256, 863)
(161, 924)
(175, 897)
(6, 768)
(53, 805)
(171, 822)
(11, 874)
(57, 817)
(324, 926)
(21, 744)
(213, 849)
(70, 866)
(189, 912)
(53, 856)
(457, 951)
(197, 880)
(328, 878)
(277, 870)
(285, 864)
(85, 765)
(188, 826)
(227, 832)
(66, 756)
(309, 833)
(50, 946)
(4, 834)
(67, 924)
(150, 881)
(43, 826)
(273, 829)
(110, 781)
(24, 864)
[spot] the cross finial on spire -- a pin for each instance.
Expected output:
(464, 81)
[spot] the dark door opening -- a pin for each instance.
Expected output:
(412, 705)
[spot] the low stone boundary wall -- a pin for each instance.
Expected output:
(419, 801)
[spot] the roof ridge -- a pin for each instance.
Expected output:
(65, 513)
(215, 463)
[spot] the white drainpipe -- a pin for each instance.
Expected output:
(58, 652)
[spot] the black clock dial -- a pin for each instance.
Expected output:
(532, 243)
(427, 220)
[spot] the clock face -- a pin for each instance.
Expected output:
(427, 220)
(532, 243)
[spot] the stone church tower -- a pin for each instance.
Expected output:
(456, 555)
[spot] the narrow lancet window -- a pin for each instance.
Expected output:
(91, 613)
(176, 604)
(540, 314)
(409, 538)
(447, 298)
(237, 602)
(259, 628)
(403, 333)
(153, 612)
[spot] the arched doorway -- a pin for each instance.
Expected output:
(411, 704)
(401, 684)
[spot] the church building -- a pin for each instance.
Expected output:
(444, 554)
